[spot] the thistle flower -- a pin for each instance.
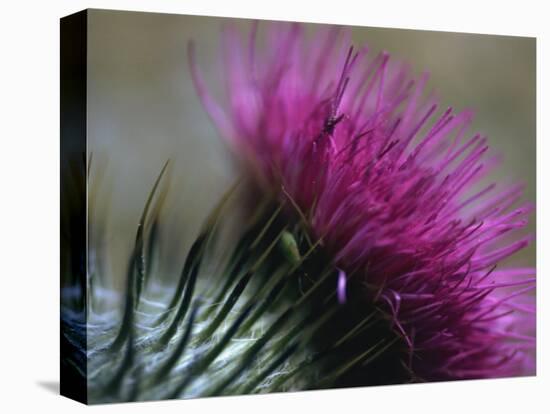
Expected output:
(393, 189)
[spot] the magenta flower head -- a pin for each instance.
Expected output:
(393, 186)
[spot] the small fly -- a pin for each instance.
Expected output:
(331, 122)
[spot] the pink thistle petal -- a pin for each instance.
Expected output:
(341, 286)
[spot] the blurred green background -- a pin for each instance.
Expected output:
(143, 109)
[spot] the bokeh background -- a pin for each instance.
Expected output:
(143, 109)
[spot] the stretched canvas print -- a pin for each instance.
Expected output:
(251, 207)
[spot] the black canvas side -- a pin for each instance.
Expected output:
(73, 63)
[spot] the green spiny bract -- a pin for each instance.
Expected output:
(260, 317)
